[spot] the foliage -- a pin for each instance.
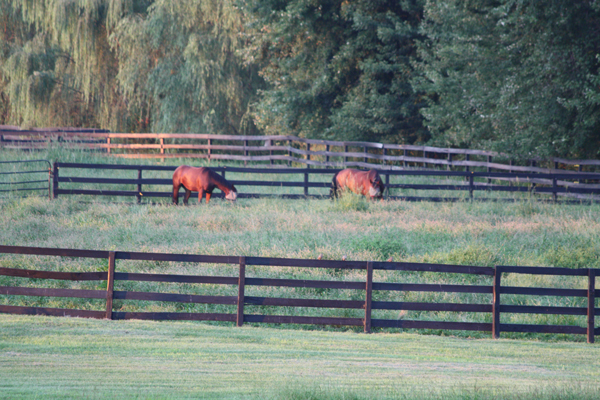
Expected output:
(125, 65)
(179, 64)
(520, 77)
(517, 76)
(337, 69)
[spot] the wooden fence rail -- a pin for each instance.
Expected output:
(562, 184)
(365, 287)
(281, 149)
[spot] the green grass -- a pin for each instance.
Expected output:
(65, 358)
(44, 357)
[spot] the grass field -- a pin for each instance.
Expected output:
(43, 357)
(62, 357)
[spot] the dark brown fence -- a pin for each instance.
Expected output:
(281, 149)
(554, 185)
(365, 289)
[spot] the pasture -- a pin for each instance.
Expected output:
(92, 358)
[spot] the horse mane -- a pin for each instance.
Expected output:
(219, 180)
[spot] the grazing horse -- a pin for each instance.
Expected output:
(201, 180)
(367, 183)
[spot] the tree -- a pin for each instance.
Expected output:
(179, 65)
(337, 69)
(57, 67)
(519, 77)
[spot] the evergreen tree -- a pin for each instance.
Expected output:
(337, 69)
(519, 77)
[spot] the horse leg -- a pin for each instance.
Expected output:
(208, 194)
(188, 193)
(333, 193)
(175, 194)
(200, 195)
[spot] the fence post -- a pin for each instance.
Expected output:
(162, 148)
(449, 166)
(50, 180)
(110, 283)
(327, 153)
(306, 184)
(368, 297)
(307, 155)
(55, 180)
(591, 304)
(489, 169)
(139, 187)
(404, 159)
(241, 286)
(108, 143)
(209, 148)
(387, 186)
(345, 157)
(471, 186)
(554, 190)
(289, 153)
(245, 153)
(496, 303)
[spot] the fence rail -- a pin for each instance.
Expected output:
(281, 149)
(366, 286)
(26, 177)
(556, 185)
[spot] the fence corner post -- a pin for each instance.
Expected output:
(591, 304)
(496, 303)
(55, 180)
(368, 297)
(110, 284)
(241, 286)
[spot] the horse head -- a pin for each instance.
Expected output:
(376, 188)
(232, 195)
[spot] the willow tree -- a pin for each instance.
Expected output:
(57, 65)
(179, 65)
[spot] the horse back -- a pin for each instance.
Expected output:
(192, 178)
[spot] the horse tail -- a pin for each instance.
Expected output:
(176, 184)
(333, 193)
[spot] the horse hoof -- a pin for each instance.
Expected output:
(391, 259)
(320, 257)
(343, 258)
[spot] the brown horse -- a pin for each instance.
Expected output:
(367, 183)
(201, 180)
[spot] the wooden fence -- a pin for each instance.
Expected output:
(566, 184)
(282, 149)
(365, 289)
(25, 177)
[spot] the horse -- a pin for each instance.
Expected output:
(201, 180)
(367, 183)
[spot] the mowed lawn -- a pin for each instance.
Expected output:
(45, 357)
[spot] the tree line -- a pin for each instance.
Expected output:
(515, 76)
